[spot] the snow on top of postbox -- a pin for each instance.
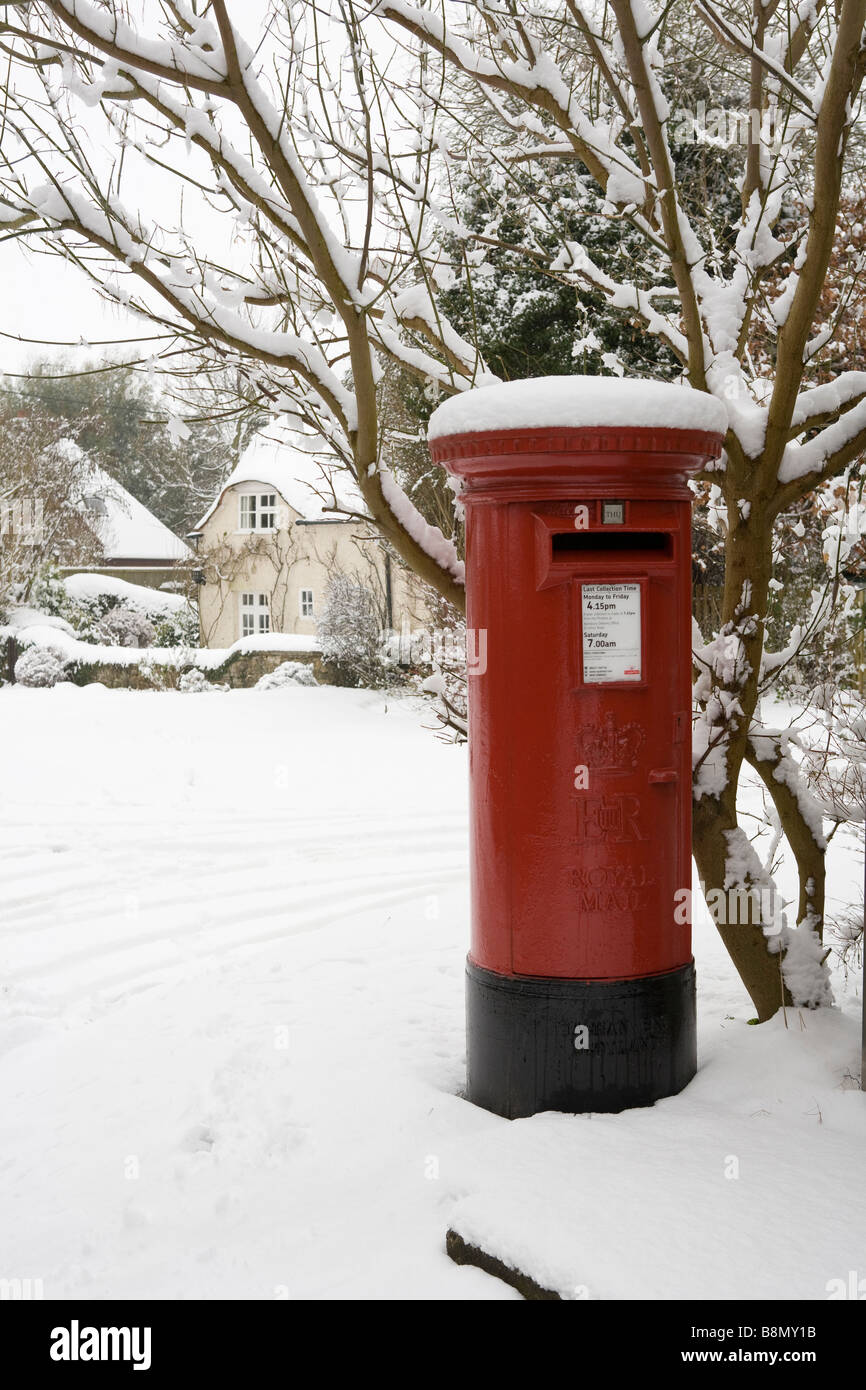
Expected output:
(576, 402)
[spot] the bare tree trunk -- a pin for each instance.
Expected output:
(746, 944)
(729, 710)
(809, 851)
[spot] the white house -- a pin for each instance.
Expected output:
(267, 549)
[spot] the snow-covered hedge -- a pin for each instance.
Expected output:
(88, 586)
(85, 601)
(75, 651)
(40, 667)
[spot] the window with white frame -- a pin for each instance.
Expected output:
(258, 511)
(255, 614)
(306, 603)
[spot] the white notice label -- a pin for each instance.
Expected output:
(611, 632)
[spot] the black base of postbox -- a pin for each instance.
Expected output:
(538, 1044)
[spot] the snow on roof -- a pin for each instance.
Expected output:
(297, 475)
(127, 530)
(571, 402)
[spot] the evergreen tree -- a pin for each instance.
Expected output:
(122, 422)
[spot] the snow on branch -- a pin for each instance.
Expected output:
(776, 746)
(829, 450)
(430, 538)
(574, 259)
(734, 37)
(821, 405)
(416, 309)
(537, 80)
(136, 248)
(286, 138)
(197, 62)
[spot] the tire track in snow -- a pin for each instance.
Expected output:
(201, 944)
(214, 914)
(402, 862)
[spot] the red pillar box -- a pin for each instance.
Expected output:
(580, 980)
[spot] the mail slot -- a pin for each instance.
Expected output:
(604, 543)
(580, 977)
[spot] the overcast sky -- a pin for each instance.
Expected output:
(43, 297)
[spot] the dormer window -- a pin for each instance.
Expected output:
(258, 511)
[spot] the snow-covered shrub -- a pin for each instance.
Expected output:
(180, 629)
(124, 627)
(154, 674)
(195, 682)
(86, 608)
(49, 595)
(40, 667)
(289, 673)
(350, 632)
(84, 614)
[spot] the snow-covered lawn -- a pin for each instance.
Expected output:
(231, 1039)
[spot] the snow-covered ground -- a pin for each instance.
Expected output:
(231, 1038)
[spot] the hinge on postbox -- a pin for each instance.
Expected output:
(680, 727)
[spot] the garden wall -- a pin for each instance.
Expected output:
(161, 668)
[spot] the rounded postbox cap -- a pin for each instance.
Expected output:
(548, 433)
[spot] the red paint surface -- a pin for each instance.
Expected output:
(567, 882)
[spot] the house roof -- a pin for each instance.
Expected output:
(124, 526)
(293, 472)
(127, 531)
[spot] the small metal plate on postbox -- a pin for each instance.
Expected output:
(612, 513)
